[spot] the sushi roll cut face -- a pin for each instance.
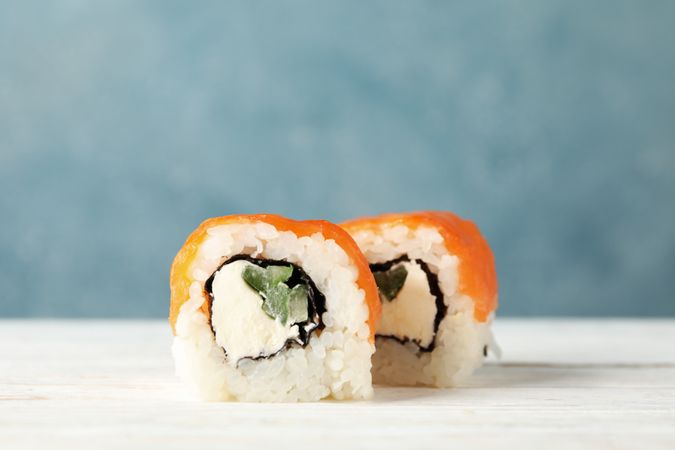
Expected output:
(264, 308)
(438, 287)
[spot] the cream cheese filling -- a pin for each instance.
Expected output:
(240, 325)
(411, 314)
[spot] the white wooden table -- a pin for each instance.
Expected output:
(560, 384)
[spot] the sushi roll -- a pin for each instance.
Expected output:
(265, 308)
(438, 286)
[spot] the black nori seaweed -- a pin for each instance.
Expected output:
(434, 288)
(316, 304)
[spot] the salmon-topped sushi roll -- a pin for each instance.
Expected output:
(265, 308)
(438, 286)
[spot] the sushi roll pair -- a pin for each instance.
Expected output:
(265, 308)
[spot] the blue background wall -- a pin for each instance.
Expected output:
(123, 124)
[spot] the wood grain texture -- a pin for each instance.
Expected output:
(560, 384)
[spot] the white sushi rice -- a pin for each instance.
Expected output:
(337, 361)
(460, 338)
